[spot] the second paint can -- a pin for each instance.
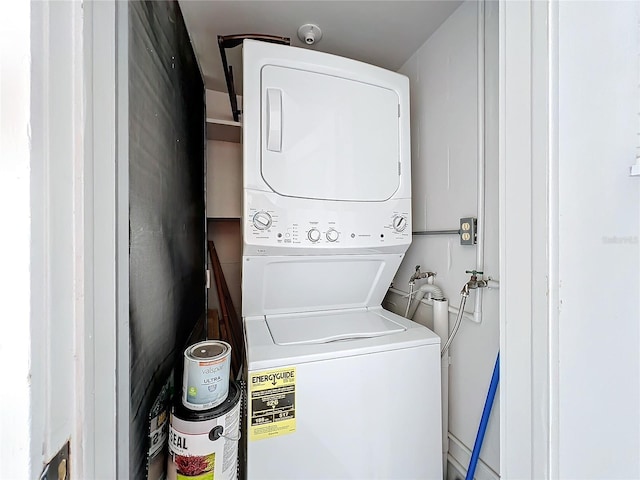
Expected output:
(206, 374)
(203, 445)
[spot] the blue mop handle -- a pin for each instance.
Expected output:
(482, 428)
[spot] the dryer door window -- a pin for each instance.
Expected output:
(328, 138)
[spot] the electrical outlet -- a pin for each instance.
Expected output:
(468, 227)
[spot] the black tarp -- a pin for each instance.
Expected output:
(166, 210)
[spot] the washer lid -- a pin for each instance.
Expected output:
(330, 327)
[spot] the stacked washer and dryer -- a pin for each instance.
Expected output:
(337, 387)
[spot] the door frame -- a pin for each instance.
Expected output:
(105, 337)
(528, 169)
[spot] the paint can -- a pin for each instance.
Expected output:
(203, 445)
(206, 374)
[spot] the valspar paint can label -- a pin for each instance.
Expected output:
(203, 445)
(206, 374)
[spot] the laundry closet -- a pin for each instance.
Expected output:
(416, 298)
(400, 152)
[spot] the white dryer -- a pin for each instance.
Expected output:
(337, 387)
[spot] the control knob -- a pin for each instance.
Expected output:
(314, 235)
(332, 235)
(262, 220)
(399, 223)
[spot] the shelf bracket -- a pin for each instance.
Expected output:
(232, 41)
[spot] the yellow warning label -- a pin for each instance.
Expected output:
(272, 403)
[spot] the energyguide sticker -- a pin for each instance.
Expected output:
(272, 403)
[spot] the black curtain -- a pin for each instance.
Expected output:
(166, 210)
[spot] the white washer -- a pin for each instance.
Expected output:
(363, 408)
(338, 388)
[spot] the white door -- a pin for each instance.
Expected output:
(328, 138)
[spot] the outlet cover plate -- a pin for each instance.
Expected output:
(468, 227)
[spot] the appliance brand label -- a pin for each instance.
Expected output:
(272, 403)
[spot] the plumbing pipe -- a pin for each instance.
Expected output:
(406, 312)
(477, 309)
(456, 325)
(437, 232)
(431, 288)
(484, 420)
(452, 309)
(441, 328)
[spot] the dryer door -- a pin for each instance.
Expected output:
(328, 138)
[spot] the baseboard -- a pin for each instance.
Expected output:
(454, 470)
(459, 456)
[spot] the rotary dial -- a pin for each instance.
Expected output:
(314, 235)
(332, 235)
(399, 223)
(262, 220)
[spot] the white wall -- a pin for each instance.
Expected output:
(443, 75)
(224, 203)
(15, 185)
(224, 179)
(227, 239)
(224, 199)
(599, 213)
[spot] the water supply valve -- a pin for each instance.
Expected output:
(474, 273)
(473, 282)
(418, 275)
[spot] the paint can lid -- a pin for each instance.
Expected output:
(184, 413)
(208, 350)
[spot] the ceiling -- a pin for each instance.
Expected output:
(383, 33)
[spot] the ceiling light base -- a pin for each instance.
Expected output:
(309, 34)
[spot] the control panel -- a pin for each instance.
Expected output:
(325, 225)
